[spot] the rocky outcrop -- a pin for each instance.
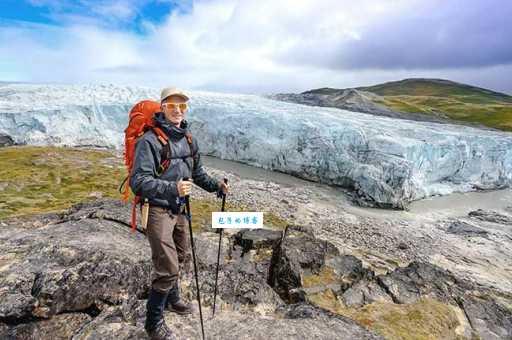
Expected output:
(302, 263)
(357, 100)
(488, 318)
(62, 326)
(257, 239)
(490, 216)
(69, 266)
(303, 267)
(84, 275)
(365, 292)
(242, 280)
(6, 140)
(466, 229)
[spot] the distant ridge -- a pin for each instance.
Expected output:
(418, 99)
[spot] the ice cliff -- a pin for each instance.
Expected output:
(387, 162)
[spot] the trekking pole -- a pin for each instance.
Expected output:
(218, 252)
(189, 218)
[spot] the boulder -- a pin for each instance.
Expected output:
(242, 277)
(365, 292)
(60, 327)
(490, 320)
(69, 266)
(408, 284)
(6, 140)
(466, 229)
(302, 263)
(490, 216)
(254, 239)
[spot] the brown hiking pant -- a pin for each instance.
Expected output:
(169, 241)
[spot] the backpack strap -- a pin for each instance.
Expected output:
(165, 157)
(192, 154)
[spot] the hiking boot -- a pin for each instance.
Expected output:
(161, 332)
(155, 324)
(174, 304)
(180, 308)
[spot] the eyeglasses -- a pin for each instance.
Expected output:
(182, 106)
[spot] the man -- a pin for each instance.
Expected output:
(166, 228)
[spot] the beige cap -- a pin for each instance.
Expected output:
(172, 91)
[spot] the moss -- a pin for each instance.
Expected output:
(324, 277)
(263, 254)
(422, 320)
(202, 213)
(325, 299)
(275, 222)
(43, 179)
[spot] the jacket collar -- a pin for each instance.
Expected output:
(170, 129)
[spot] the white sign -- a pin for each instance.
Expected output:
(237, 219)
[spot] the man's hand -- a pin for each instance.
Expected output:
(184, 187)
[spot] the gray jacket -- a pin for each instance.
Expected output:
(162, 190)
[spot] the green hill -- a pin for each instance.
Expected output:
(444, 98)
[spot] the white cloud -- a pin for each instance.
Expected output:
(225, 45)
(123, 10)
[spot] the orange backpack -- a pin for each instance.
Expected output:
(140, 121)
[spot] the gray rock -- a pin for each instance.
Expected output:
(320, 326)
(352, 100)
(207, 246)
(115, 323)
(489, 319)
(230, 325)
(296, 252)
(257, 238)
(59, 327)
(6, 140)
(70, 266)
(365, 292)
(299, 255)
(103, 209)
(242, 277)
(244, 283)
(466, 229)
(490, 216)
(4, 331)
(84, 275)
(348, 268)
(403, 246)
(302, 310)
(408, 284)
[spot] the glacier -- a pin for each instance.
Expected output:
(385, 162)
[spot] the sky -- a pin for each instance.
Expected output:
(263, 46)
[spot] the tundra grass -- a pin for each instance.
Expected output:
(37, 180)
(447, 99)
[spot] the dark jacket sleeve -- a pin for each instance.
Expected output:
(200, 177)
(143, 180)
